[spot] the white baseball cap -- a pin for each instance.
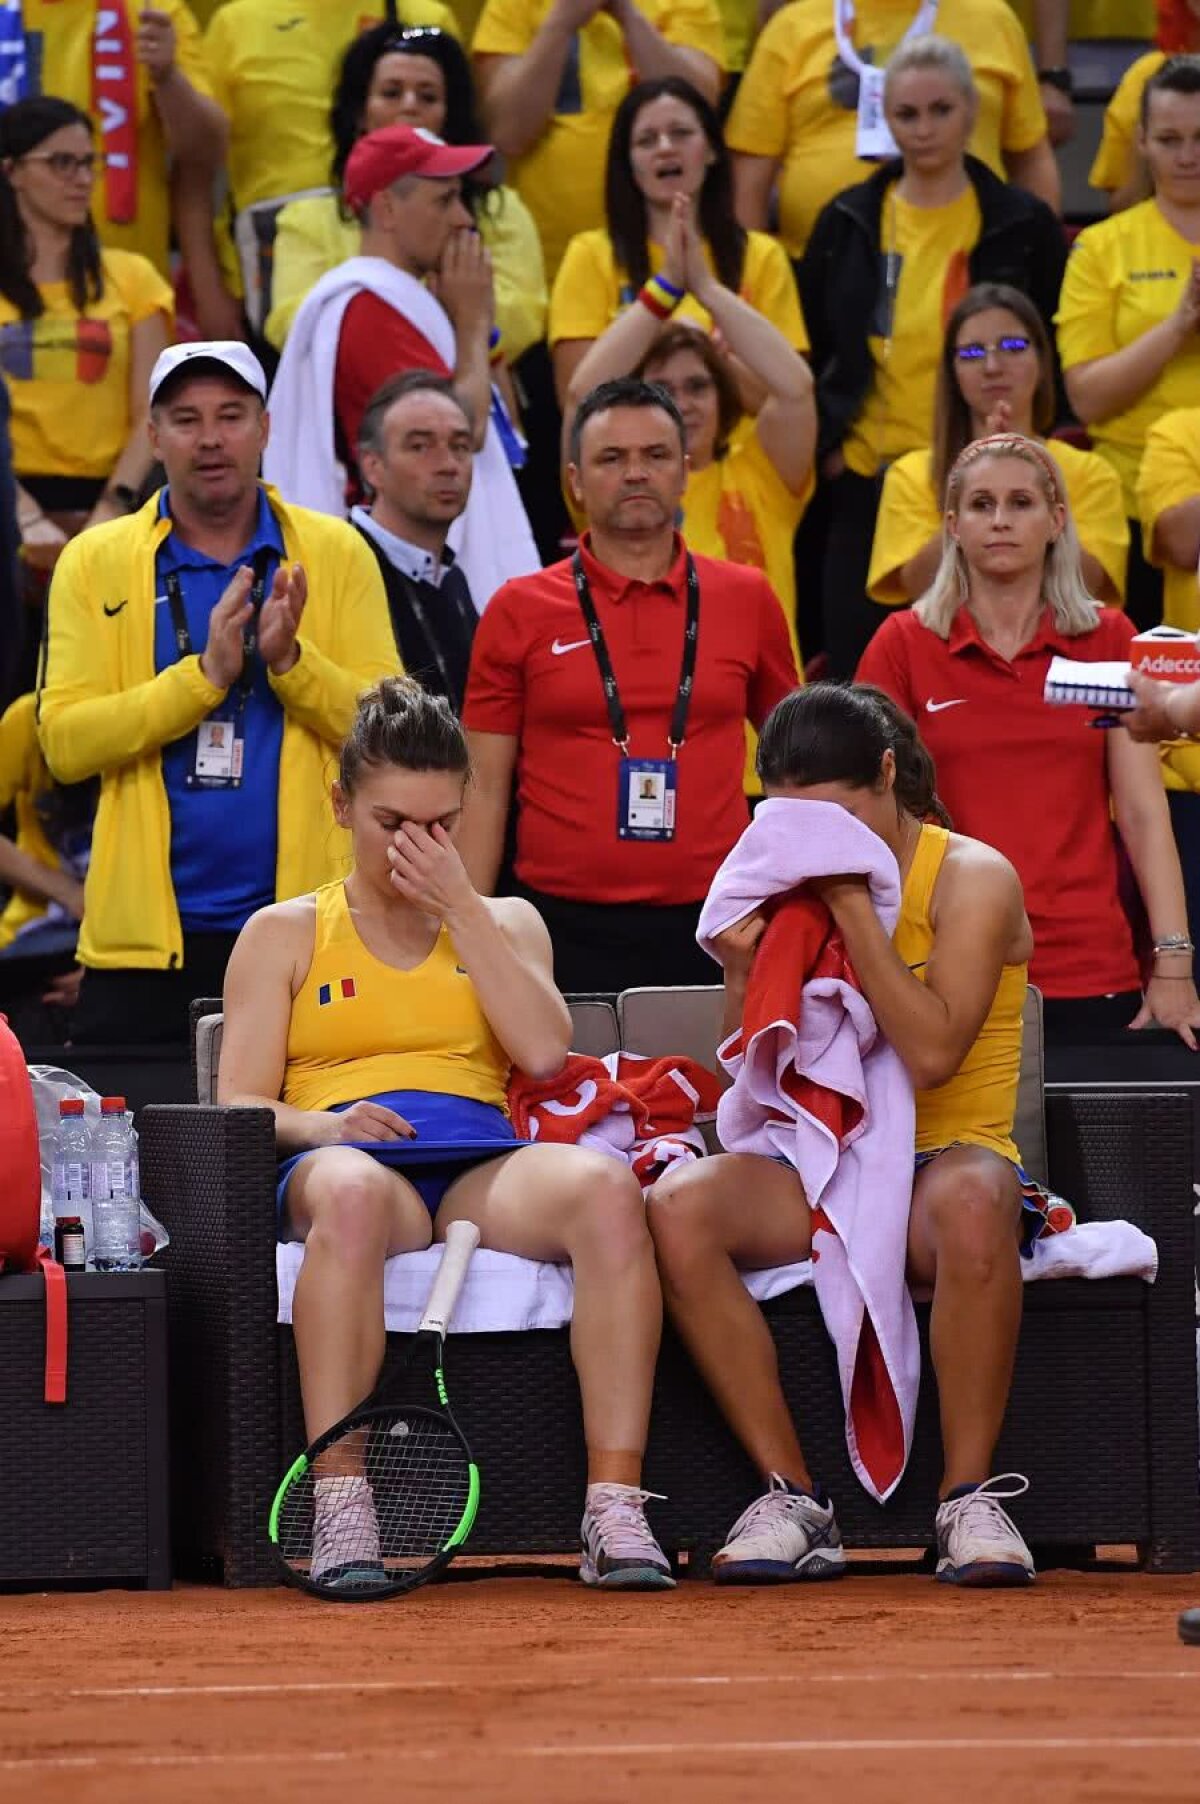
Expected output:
(227, 353)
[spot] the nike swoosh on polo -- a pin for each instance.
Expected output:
(113, 611)
(558, 648)
(288, 24)
(936, 707)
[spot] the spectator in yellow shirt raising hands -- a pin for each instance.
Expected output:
(552, 74)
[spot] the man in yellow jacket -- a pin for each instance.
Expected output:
(203, 657)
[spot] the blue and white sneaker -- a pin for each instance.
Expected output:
(619, 1550)
(977, 1540)
(345, 1551)
(784, 1536)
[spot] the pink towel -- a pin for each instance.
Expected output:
(815, 1083)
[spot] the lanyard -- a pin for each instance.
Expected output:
(451, 596)
(183, 638)
(843, 21)
(612, 695)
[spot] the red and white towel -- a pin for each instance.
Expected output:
(646, 1111)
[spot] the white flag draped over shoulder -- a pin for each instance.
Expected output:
(14, 70)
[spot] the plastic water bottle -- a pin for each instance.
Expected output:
(70, 1173)
(116, 1219)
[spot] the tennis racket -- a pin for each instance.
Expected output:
(382, 1501)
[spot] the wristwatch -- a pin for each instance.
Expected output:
(1062, 79)
(123, 495)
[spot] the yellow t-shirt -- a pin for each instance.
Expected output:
(740, 509)
(561, 179)
(23, 778)
(590, 291)
(273, 66)
(1169, 474)
(739, 22)
(60, 35)
(313, 237)
(1115, 159)
(1098, 18)
(928, 247)
(909, 516)
(797, 101)
(68, 373)
(1123, 276)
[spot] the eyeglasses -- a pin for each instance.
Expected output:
(62, 163)
(1008, 347)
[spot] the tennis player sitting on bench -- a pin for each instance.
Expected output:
(947, 992)
(386, 1012)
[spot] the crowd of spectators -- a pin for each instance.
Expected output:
(555, 339)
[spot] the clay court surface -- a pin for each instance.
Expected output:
(515, 1688)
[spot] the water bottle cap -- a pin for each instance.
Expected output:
(71, 1105)
(112, 1105)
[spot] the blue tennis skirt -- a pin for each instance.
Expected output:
(453, 1133)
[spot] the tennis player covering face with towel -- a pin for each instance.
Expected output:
(380, 1018)
(947, 991)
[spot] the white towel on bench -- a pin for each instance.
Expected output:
(504, 1294)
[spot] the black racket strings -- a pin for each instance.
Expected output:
(417, 1490)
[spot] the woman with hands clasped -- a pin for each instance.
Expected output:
(996, 375)
(1130, 308)
(666, 149)
(380, 1018)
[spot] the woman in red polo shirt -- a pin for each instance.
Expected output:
(969, 664)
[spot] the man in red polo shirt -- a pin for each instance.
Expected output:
(617, 685)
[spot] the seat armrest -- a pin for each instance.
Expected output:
(209, 1174)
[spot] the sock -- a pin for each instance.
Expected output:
(960, 1491)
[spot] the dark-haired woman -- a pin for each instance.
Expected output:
(887, 263)
(996, 375)
(666, 142)
(947, 993)
(440, 993)
(970, 662)
(1129, 318)
(403, 76)
(80, 328)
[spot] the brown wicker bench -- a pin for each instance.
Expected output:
(1103, 1416)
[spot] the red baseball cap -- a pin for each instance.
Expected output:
(381, 158)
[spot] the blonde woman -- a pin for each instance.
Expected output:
(1035, 781)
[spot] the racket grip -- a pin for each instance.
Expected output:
(462, 1237)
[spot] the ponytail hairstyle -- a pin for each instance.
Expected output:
(399, 723)
(22, 128)
(1063, 587)
(839, 733)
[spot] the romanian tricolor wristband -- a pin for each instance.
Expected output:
(495, 352)
(660, 296)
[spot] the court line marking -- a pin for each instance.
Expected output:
(621, 1750)
(303, 1687)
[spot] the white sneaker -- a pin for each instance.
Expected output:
(784, 1535)
(345, 1550)
(977, 1540)
(619, 1550)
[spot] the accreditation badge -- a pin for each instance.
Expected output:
(646, 793)
(220, 749)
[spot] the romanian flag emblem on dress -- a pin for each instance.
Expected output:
(341, 991)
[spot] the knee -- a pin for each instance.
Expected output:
(608, 1214)
(974, 1225)
(680, 1218)
(352, 1221)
